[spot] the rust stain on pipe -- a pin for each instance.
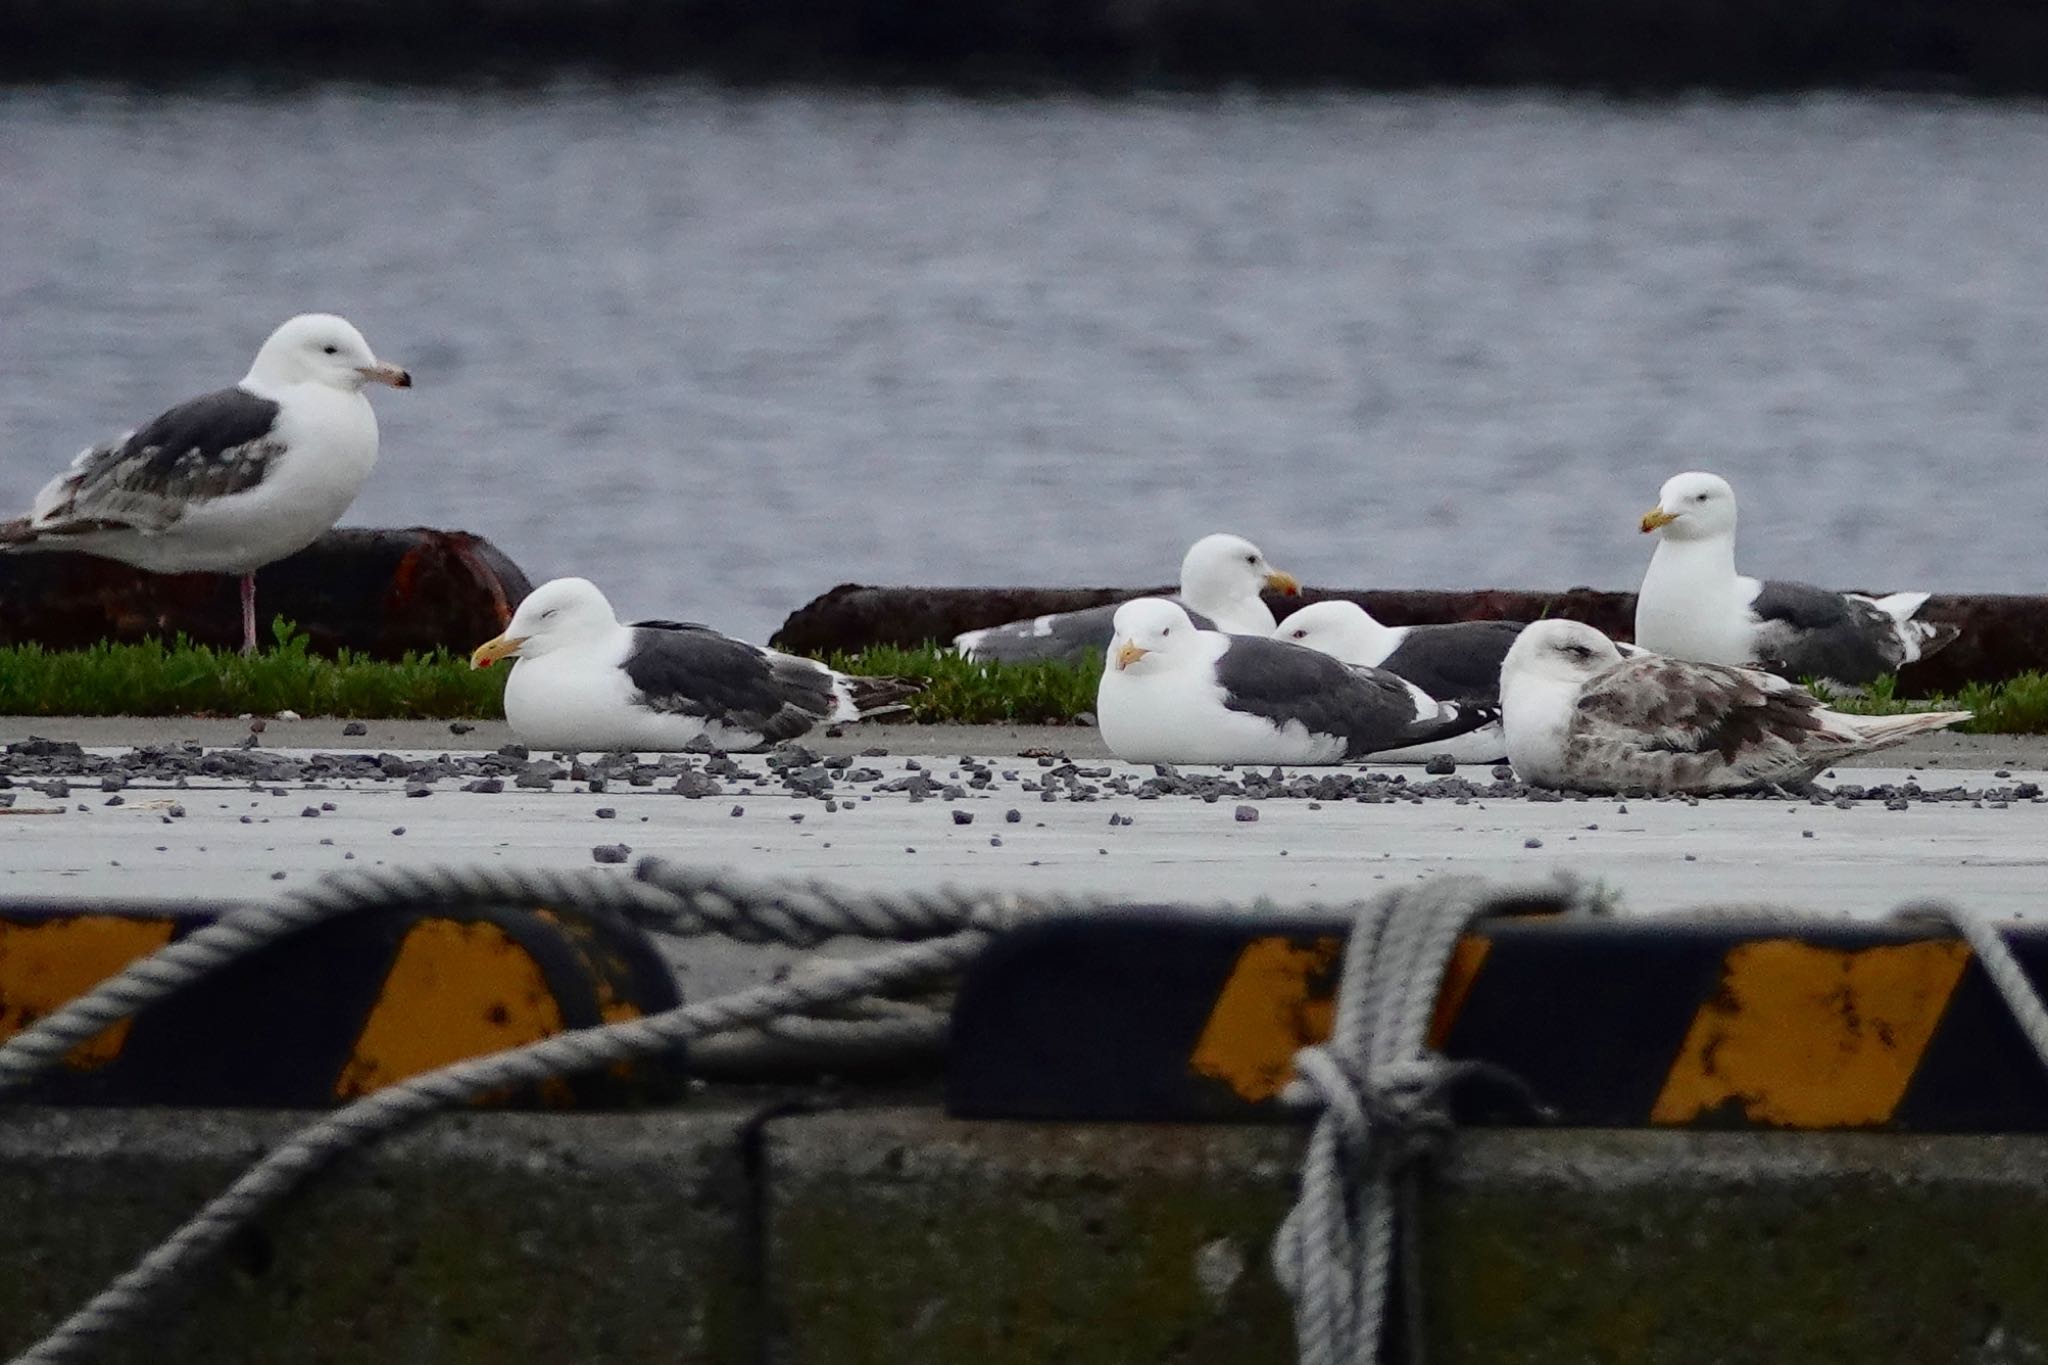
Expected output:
(383, 593)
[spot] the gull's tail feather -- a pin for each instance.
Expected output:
(879, 696)
(1919, 638)
(1925, 637)
(1877, 732)
(1451, 719)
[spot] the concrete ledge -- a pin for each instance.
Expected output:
(900, 1236)
(486, 1238)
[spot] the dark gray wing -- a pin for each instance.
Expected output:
(210, 447)
(1456, 661)
(1073, 636)
(1809, 632)
(692, 670)
(1369, 707)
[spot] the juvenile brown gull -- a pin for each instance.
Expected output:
(1174, 693)
(584, 682)
(1221, 577)
(1694, 605)
(1581, 717)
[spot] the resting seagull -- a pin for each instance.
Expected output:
(1458, 660)
(583, 682)
(1220, 580)
(233, 480)
(1580, 716)
(1693, 605)
(1455, 661)
(1174, 693)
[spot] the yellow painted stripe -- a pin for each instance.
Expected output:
(1809, 1037)
(456, 990)
(1279, 997)
(1459, 975)
(47, 963)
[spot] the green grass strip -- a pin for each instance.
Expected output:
(184, 679)
(2017, 706)
(961, 693)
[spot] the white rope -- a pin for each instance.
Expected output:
(1381, 1090)
(663, 897)
(44, 1044)
(1986, 937)
(819, 987)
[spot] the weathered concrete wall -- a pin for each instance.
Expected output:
(896, 1235)
(485, 1239)
(1972, 45)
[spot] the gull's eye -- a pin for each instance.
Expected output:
(549, 612)
(1301, 635)
(1578, 651)
(1699, 497)
(331, 349)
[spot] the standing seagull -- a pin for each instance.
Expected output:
(1693, 605)
(1172, 693)
(1580, 716)
(585, 683)
(233, 480)
(1221, 577)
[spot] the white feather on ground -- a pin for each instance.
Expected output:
(583, 682)
(1580, 717)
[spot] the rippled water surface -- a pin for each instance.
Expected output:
(720, 351)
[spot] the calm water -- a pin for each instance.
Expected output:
(720, 351)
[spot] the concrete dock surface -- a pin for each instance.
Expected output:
(747, 1226)
(230, 837)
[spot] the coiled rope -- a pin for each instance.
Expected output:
(1381, 1090)
(954, 927)
(1382, 1093)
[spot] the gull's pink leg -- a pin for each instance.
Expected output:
(248, 613)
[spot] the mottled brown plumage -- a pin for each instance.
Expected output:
(1577, 715)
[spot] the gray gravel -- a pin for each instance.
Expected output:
(168, 819)
(1080, 743)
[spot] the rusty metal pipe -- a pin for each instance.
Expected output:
(377, 592)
